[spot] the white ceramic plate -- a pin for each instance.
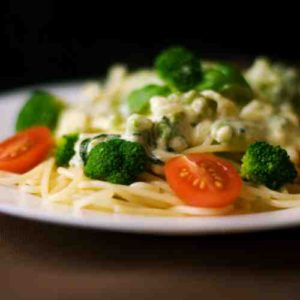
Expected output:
(15, 203)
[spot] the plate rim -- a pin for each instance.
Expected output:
(144, 224)
(149, 224)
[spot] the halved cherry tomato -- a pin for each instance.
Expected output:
(203, 180)
(25, 150)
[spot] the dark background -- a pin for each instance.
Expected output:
(54, 40)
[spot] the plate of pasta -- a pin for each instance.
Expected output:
(188, 146)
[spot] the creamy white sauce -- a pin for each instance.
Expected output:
(198, 114)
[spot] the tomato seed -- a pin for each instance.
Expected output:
(196, 181)
(218, 184)
(202, 185)
(183, 174)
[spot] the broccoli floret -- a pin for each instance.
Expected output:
(92, 142)
(65, 149)
(228, 81)
(42, 108)
(267, 165)
(117, 161)
(138, 100)
(180, 68)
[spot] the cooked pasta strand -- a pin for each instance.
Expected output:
(149, 196)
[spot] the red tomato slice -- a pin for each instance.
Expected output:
(25, 150)
(203, 180)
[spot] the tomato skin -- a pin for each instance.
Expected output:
(203, 180)
(23, 151)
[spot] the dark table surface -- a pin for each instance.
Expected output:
(42, 261)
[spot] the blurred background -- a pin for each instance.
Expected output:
(60, 40)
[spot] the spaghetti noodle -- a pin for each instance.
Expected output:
(150, 196)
